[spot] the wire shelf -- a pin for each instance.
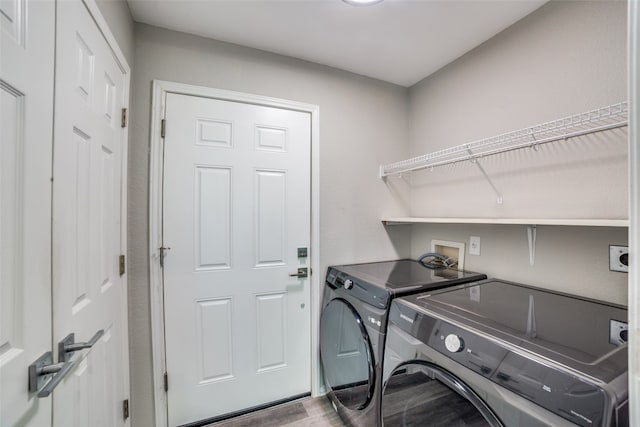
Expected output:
(598, 120)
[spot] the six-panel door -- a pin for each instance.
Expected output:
(88, 292)
(236, 209)
(26, 107)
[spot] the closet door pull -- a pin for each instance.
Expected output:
(68, 345)
(42, 369)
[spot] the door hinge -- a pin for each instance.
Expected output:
(122, 264)
(123, 118)
(163, 253)
(125, 409)
(163, 127)
(166, 382)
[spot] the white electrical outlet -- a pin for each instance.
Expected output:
(618, 332)
(619, 258)
(474, 245)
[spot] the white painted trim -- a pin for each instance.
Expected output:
(634, 211)
(156, 294)
(102, 25)
(509, 221)
(160, 91)
(94, 10)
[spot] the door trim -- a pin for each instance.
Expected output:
(633, 44)
(158, 102)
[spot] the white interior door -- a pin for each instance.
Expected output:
(88, 291)
(236, 210)
(26, 115)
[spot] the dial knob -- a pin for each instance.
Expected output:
(348, 284)
(453, 343)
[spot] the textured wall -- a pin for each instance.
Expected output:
(565, 58)
(362, 124)
(118, 17)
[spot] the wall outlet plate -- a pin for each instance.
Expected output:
(619, 258)
(474, 245)
(618, 331)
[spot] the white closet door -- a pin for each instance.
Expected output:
(236, 210)
(87, 288)
(26, 115)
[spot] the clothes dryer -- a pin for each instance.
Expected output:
(497, 353)
(353, 327)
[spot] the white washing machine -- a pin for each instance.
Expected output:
(497, 353)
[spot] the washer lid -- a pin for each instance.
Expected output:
(576, 332)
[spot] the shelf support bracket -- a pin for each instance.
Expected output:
(381, 174)
(531, 235)
(486, 176)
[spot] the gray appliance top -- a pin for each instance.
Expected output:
(573, 331)
(378, 282)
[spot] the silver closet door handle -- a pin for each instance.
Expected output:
(68, 345)
(41, 369)
(301, 273)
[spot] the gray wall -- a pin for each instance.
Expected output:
(565, 58)
(363, 122)
(118, 17)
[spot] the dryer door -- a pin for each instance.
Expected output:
(420, 393)
(346, 354)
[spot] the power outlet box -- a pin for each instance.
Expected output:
(618, 331)
(619, 258)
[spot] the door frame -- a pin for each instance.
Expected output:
(160, 90)
(633, 44)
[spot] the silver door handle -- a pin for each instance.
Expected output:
(41, 369)
(68, 345)
(301, 274)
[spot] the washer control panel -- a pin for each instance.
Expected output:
(357, 287)
(454, 343)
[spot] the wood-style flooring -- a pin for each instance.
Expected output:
(308, 412)
(409, 401)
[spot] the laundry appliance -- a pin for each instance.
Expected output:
(497, 353)
(353, 327)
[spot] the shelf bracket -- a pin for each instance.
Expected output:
(531, 235)
(486, 176)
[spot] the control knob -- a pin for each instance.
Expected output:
(348, 284)
(453, 343)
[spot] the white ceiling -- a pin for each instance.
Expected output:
(399, 41)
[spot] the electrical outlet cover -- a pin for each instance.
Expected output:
(618, 332)
(615, 258)
(474, 245)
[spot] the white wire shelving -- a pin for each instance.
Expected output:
(598, 120)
